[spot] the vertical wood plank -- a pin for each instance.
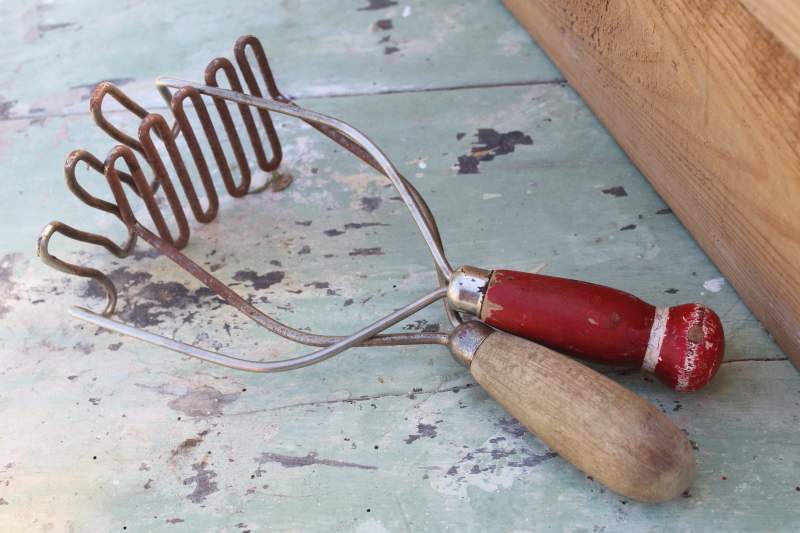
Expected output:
(703, 97)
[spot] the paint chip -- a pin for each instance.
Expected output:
(714, 285)
(616, 191)
(493, 144)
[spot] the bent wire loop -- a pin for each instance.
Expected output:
(169, 245)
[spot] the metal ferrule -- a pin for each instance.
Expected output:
(467, 289)
(466, 339)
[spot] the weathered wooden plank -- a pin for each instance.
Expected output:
(566, 219)
(296, 451)
(55, 54)
(704, 100)
(153, 470)
(275, 466)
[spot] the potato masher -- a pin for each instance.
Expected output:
(604, 429)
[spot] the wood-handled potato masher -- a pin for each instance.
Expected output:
(604, 429)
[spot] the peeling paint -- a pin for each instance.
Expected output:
(292, 461)
(497, 462)
(7, 265)
(366, 251)
(423, 431)
(617, 192)
(336, 232)
(260, 282)
(371, 203)
(714, 285)
(204, 485)
(85, 349)
(203, 401)
(493, 144)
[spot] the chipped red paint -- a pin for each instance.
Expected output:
(606, 326)
(589, 321)
(694, 344)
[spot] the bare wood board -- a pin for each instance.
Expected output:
(704, 99)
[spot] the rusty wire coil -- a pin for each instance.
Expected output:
(153, 124)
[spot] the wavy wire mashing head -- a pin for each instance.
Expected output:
(155, 124)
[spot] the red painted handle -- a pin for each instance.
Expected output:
(683, 345)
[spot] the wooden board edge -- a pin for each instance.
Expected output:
(703, 100)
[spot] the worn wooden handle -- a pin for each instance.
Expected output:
(683, 345)
(596, 424)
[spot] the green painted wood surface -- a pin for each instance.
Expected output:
(101, 432)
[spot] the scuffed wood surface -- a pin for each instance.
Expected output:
(703, 97)
(373, 440)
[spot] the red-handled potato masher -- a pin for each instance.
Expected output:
(682, 345)
(598, 425)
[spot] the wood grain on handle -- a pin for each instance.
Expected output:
(610, 433)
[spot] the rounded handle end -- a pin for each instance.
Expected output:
(618, 438)
(692, 347)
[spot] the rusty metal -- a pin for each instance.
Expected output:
(170, 244)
